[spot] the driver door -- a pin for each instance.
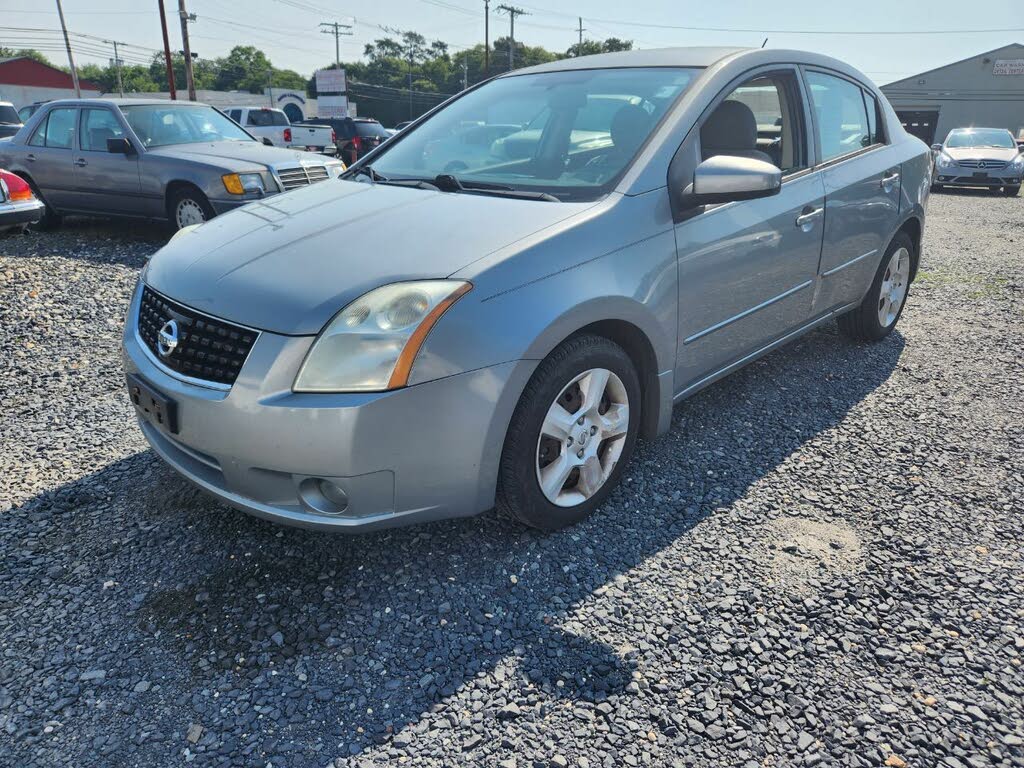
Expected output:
(106, 182)
(747, 268)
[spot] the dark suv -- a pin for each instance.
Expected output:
(354, 136)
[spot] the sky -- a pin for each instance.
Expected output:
(288, 30)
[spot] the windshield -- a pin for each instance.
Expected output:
(157, 125)
(981, 137)
(8, 114)
(569, 134)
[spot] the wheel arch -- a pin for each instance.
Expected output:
(913, 227)
(173, 187)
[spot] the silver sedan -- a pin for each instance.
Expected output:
(401, 346)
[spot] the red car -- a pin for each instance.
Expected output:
(18, 206)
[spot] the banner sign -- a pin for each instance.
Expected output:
(1008, 67)
(332, 106)
(330, 81)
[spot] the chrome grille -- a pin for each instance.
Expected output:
(302, 176)
(208, 349)
(993, 165)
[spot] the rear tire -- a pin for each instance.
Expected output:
(879, 312)
(51, 220)
(187, 206)
(588, 393)
(1011, 191)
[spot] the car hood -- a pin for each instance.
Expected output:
(981, 153)
(289, 263)
(237, 155)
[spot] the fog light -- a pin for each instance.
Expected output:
(323, 496)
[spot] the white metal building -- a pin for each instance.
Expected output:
(986, 90)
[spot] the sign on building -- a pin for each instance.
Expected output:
(1008, 67)
(330, 81)
(332, 106)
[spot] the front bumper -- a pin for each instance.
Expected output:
(955, 176)
(16, 214)
(421, 453)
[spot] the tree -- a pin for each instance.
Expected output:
(11, 53)
(590, 47)
(203, 72)
(246, 68)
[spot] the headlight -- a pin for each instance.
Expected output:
(1018, 163)
(243, 183)
(371, 344)
(943, 160)
(336, 170)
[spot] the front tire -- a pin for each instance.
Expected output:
(881, 308)
(187, 206)
(572, 434)
(1011, 191)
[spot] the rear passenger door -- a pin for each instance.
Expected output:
(862, 187)
(48, 158)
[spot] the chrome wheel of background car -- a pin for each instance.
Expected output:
(582, 437)
(188, 212)
(894, 287)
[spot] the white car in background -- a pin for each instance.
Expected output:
(979, 157)
(273, 126)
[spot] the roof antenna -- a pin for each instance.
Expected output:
(764, 43)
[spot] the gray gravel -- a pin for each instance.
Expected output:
(819, 565)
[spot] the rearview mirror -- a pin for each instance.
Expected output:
(937, 147)
(725, 178)
(120, 146)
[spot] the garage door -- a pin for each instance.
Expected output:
(921, 124)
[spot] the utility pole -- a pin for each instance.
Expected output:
(117, 64)
(487, 39)
(167, 50)
(67, 44)
(270, 86)
(582, 30)
(186, 17)
(512, 12)
(410, 82)
(336, 29)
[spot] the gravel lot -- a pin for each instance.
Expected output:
(820, 565)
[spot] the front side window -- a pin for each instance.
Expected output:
(235, 114)
(570, 134)
(841, 115)
(981, 137)
(95, 127)
(60, 125)
(761, 119)
(157, 125)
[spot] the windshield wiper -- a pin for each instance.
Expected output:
(367, 170)
(450, 183)
(379, 178)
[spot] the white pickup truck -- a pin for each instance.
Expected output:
(272, 125)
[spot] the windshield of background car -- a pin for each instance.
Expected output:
(9, 115)
(264, 118)
(570, 134)
(981, 138)
(159, 126)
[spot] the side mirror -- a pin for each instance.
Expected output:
(725, 178)
(267, 142)
(120, 146)
(936, 147)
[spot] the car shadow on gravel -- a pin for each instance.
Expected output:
(350, 640)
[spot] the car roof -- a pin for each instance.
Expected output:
(116, 102)
(968, 129)
(692, 56)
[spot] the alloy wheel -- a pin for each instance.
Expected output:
(582, 437)
(895, 283)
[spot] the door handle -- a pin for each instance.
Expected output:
(809, 215)
(81, 162)
(31, 158)
(892, 178)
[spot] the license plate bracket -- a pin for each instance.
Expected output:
(155, 407)
(980, 175)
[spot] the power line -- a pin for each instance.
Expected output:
(512, 12)
(336, 29)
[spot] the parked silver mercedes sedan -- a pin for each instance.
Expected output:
(401, 346)
(979, 157)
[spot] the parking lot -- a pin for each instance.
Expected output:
(820, 564)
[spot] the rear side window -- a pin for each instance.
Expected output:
(235, 114)
(265, 118)
(55, 130)
(8, 115)
(95, 127)
(842, 119)
(370, 129)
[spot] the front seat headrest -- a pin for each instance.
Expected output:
(731, 130)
